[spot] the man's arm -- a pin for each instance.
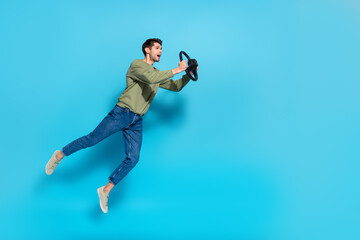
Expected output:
(182, 67)
(150, 76)
(177, 85)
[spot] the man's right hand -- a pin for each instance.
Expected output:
(182, 67)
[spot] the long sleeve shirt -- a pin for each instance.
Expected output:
(142, 83)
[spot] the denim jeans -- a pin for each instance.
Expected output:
(118, 119)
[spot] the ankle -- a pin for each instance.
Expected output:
(59, 155)
(106, 191)
(107, 188)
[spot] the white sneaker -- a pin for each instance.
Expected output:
(52, 163)
(103, 199)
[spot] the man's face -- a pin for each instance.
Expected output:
(155, 52)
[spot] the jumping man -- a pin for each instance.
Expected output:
(142, 83)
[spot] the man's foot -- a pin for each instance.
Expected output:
(103, 199)
(53, 162)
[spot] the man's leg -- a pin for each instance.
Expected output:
(133, 140)
(117, 119)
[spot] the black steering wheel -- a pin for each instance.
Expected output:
(192, 66)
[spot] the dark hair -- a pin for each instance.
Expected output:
(149, 43)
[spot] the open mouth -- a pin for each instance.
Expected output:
(158, 56)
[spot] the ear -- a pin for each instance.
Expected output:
(147, 50)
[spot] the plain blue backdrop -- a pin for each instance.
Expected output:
(265, 145)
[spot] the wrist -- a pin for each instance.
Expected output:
(176, 71)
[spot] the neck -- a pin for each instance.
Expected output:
(148, 60)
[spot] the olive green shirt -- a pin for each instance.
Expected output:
(142, 83)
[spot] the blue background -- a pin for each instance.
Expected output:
(264, 146)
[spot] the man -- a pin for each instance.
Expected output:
(142, 83)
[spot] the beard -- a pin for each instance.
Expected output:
(155, 58)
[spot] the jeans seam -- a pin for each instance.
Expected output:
(128, 156)
(117, 172)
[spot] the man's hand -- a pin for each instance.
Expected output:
(182, 67)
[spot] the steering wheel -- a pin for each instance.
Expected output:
(192, 66)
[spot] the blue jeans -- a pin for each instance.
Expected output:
(118, 119)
